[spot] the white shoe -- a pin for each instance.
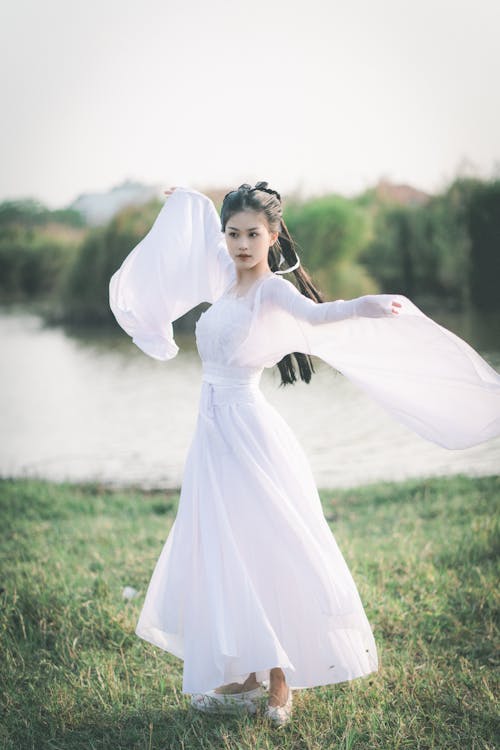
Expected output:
(280, 715)
(232, 703)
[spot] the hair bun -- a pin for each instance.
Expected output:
(262, 186)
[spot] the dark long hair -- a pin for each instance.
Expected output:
(264, 200)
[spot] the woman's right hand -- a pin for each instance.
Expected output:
(376, 306)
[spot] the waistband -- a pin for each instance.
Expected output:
(230, 375)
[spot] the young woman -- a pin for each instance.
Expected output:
(250, 588)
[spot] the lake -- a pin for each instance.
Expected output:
(89, 405)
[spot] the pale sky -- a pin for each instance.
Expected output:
(313, 95)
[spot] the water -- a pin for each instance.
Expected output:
(91, 406)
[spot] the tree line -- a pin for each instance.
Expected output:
(443, 253)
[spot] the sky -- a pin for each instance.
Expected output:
(312, 96)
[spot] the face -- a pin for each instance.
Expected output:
(248, 240)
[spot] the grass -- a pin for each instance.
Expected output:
(74, 674)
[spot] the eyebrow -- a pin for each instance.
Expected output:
(251, 229)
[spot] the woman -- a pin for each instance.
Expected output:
(250, 587)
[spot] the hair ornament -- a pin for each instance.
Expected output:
(260, 186)
(292, 268)
(266, 190)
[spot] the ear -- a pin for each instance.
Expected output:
(274, 236)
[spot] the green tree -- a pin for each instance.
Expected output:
(31, 213)
(85, 293)
(483, 224)
(330, 233)
(430, 253)
(36, 248)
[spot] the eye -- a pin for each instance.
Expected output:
(255, 234)
(232, 234)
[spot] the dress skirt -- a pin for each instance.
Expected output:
(250, 576)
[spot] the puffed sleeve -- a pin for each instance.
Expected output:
(425, 376)
(181, 262)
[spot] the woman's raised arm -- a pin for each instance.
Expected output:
(181, 262)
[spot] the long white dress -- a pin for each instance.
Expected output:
(250, 576)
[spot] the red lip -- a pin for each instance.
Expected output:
(244, 256)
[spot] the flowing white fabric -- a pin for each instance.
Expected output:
(250, 576)
(424, 375)
(182, 261)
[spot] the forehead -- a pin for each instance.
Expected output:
(245, 220)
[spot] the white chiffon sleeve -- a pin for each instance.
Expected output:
(288, 297)
(424, 375)
(181, 262)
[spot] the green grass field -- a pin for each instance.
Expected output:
(74, 674)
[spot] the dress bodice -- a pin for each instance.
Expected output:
(225, 325)
(219, 331)
(221, 328)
